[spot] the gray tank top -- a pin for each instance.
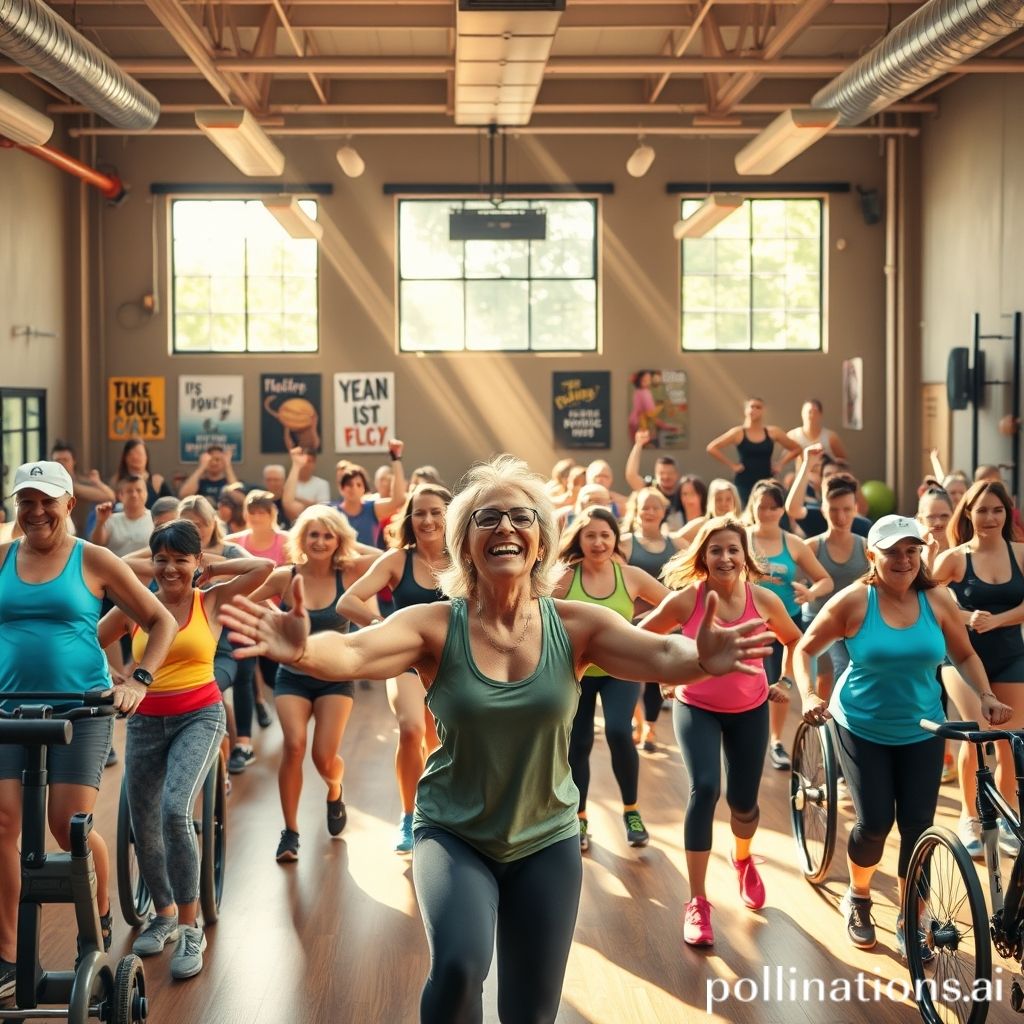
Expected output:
(842, 573)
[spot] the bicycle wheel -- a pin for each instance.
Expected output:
(213, 841)
(944, 900)
(812, 800)
(132, 891)
(129, 1004)
(91, 990)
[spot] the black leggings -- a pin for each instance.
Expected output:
(240, 677)
(774, 662)
(889, 784)
(465, 897)
(703, 736)
(618, 699)
(653, 701)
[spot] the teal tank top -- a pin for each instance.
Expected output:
(618, 601)
(48, 630)
(500, 779)
(890, 685)
(782, 571)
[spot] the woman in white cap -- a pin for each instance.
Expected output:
(51, 588)
(898, 626)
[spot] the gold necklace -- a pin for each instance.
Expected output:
(501, 648)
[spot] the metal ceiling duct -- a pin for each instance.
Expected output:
(36, 38)
(934, 40)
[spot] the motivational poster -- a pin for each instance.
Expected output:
(364, 411)
(289, 412)
(210, 411)
(581, 409)
(136, 407)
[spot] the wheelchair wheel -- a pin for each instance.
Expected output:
(812, 800)
(92, 990)
(944, 901)
(132, 891)
(213, 838)
(129, 1004)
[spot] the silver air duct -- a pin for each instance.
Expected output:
(36, 38)
(935, 39)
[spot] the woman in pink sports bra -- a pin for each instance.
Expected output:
(722, 713)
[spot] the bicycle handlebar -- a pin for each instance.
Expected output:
(970, 732)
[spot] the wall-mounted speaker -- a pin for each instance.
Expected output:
(870, 204)
(964, 384)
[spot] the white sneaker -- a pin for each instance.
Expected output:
(1007, 840)
(969, 831)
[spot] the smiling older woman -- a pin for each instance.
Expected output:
(496, 833)
(51, 587)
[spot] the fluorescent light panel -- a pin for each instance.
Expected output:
(237, 134)
(23, 124)
(287, 212)
(785, 138)
(712, 211)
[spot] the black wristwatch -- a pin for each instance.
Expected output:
(140, 675)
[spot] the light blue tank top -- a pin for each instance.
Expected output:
(889, 685)
(782, 571)
(48, 630)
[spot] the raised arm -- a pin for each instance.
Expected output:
(101, 532)
(733, 436)
(798, 492)
(92, 488)
(238, 575)
(385, 507)
(294, 505)
(357, 604)
(632, 471)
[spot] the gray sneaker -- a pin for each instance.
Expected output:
(155, 935)
(187, 961)
(856, 911)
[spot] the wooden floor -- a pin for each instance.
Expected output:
(336, 937)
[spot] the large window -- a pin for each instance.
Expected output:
(755, 280)
(22, 433)
(497, 296)
(241, 283)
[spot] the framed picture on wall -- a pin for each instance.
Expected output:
(289, 412)
(853, 393)
(581, 409)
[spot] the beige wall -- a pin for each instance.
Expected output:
(33, 274)
(453, 409)
(973, 200)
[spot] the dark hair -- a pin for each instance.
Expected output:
(233, 496)
(404, 535)
(179, 535)
(665, 460)
(699, 486)
(816, 402)
(569, 551)
(922, 581)
(60, 445)
(838, 485)
(772, 488)
(122, 466)
(961, 529)
(350, 473)
(214, 448)
(639, 375)
(131, 478)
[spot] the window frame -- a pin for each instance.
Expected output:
(534, 197)
(23, 394)
(823, 297)
(240, 197)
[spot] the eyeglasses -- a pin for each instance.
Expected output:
(489, 518)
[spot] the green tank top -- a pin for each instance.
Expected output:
(500, 779)
(618, 601)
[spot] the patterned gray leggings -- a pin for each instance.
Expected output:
(166, 760)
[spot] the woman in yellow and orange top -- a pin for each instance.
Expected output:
(175, 736)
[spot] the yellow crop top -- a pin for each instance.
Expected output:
(189, 662)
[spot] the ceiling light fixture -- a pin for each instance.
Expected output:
(640, 160)
(712, 211)
(785, 138)
(237, 134)
(23, 124)
(350, 161)
(286, 211)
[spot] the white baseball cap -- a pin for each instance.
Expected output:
(49, 477)
(889, 530)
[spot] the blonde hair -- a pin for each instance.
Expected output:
(716, 487)
(295, 546)
(201, 508)
(459, 579)
(690, 565)
(637, 500)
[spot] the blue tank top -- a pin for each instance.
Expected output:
(48, 630)
(652, 562)
(364, 523)
(782, 571)
(409, 592)
(889, 685)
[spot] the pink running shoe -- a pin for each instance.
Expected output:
(697, 923)
(751, 886)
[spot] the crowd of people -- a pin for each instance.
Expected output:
(495, 619)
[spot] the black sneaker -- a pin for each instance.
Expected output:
(336, 815)
(856, 911)
(7, 979)
(778, 757)
(263, 716)
(240, 759)
(288, 848)
(636, 834)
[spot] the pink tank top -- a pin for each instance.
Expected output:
(736, 691)
(275, 552)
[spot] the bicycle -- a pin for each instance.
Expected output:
(943, 899)
(813, 794)
(98, 988)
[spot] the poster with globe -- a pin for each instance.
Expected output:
(210, 410)
(290, 407)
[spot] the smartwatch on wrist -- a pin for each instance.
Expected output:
(140, 675)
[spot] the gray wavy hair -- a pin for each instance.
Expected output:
(459, 579)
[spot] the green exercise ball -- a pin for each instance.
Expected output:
(880, 497)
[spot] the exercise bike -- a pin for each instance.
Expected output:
(99, 987)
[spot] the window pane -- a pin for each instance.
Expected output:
(732, 257)
(568, 250)
(227, 333)
(265, 333)
(698, 293)
(191, 333)
(33, 414)
(732, 293)
(504, 259)
(699, 331)
(769, 291)
(769, 330)
(423, 245)
(562, 315)
(497, 316)
(299, 295)
(432, 318)
(13, 413)
(227, 294)
(300, 333)
(698, 255)
(192, 295)
(731, 330)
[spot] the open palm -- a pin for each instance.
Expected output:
(724, 649)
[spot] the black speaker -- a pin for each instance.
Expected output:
(964, 385)
(870, 204)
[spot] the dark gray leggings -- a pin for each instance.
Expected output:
(166, 760)
(703, 736)
(618, 699)
(465, 898)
